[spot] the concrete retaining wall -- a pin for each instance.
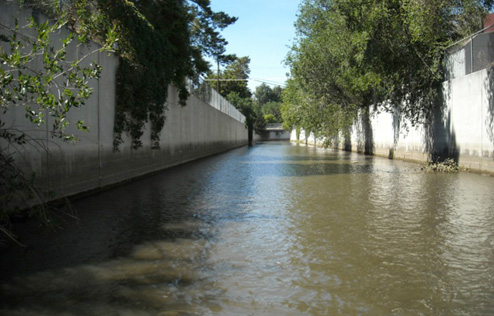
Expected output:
(191, 132)
(462, 129)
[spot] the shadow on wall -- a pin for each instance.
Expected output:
(489, 87)
(396, 132)
(440, 136)
(366, 137)
(348, 139)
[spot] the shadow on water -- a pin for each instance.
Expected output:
(138, 249)
(130, 252)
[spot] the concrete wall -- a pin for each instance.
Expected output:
(191, 132)
(462, 129)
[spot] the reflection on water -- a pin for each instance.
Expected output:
(276, 229)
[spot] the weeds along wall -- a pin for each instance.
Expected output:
(461, 128)
(191, 132)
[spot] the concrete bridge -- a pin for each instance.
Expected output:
(272, 131)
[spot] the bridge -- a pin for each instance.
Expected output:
(272, 132)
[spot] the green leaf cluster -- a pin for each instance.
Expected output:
(36, 75)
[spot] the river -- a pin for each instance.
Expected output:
(273, 229)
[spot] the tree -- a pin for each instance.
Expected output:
(237, 75)
(272, 108)
(270, 118)
(265, 94)
(351, 55)
(268, 101)
(205, 33)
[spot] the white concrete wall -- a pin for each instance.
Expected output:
(191, 132)
(466, 128)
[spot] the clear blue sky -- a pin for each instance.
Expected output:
(264, 31)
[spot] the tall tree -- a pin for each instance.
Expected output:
(264, 94)
(236, 76)
(268, 102)
(351, 54)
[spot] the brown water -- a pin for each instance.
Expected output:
(276, 229)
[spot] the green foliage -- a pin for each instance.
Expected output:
(49, 90)
(273, 109)
(244, 105)
(268, 101)
(259, 123)
(301, 110)
(351, 54)
(37, 76)
(148, 64)
(265, 94)
(234, 78)
(160, 43)
(270, 118)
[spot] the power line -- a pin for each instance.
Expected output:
(219, 79)
(269, 81)
(250, 79)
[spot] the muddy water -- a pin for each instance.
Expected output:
(276, 229)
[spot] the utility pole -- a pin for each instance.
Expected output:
(218, 75)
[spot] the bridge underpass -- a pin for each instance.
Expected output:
(272, 132)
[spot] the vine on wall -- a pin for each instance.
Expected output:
(159, 43)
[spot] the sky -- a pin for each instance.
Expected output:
(264, 31)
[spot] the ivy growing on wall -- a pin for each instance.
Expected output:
(159, 43)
